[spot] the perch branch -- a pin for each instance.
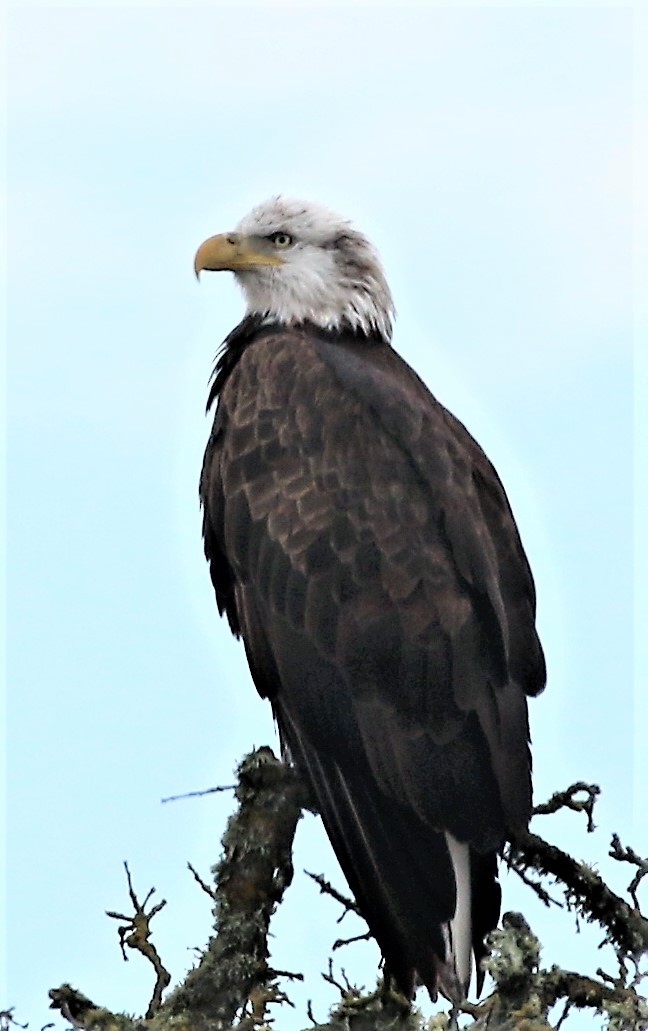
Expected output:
(250, 880)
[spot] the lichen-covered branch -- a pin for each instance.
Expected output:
(569, 799)
(250, 880)
(136, 934)
(584, 888)
(628, 855)
(525, 993)
(233, 986)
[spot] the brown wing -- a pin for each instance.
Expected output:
(362, 545)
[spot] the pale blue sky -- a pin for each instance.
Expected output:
(488, 154)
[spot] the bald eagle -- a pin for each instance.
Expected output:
(362, 545)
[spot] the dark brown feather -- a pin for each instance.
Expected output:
(362, 545)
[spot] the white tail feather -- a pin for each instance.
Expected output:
(458, 932)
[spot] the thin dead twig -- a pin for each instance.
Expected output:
(567, 800)
(628, 855)
(327, 889)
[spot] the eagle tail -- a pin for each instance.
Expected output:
(411, 882)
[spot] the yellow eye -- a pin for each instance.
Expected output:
(281, 239)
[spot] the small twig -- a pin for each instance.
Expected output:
(286, 973)
(350, 941)
(260, 998)
(638, 976)
(564, 1014)
(136, 934)
(309, 1012)
(7, 1019)
(327, 889)
(351, 988)
(535, 886)
(628, 855)
(199, 794)
(616, 982)
(346, 990)
(567, 800)
(205, 887)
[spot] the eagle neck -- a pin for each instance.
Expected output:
(229, 353)
(257, 325)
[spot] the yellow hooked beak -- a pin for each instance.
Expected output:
(233, 253)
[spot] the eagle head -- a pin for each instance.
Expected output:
(299, 262)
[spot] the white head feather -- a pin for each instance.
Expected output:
(330, 274)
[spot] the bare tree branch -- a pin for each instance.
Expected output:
(568, 800)
(350, 906)
(199, 794)
(628, 855)
(8, 1020)
(203, 884)
(584, 890)
(250, 880)
(136, 933)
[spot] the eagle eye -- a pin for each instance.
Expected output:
(281, 239)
